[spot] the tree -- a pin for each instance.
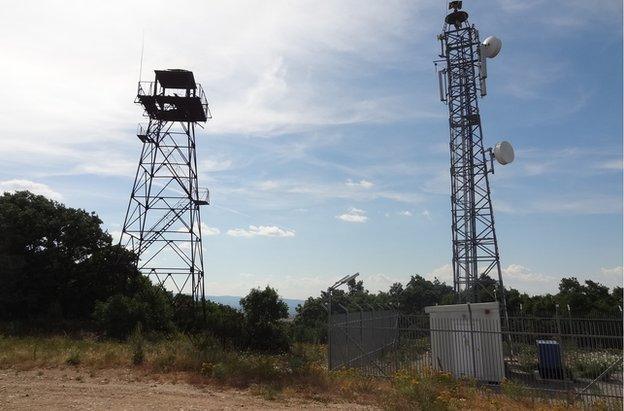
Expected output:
(589, 299)
(150, 307)
(263, 311)
(310, 323)
(57, 261)
(420, 293)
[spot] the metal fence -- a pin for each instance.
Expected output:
(564, 358)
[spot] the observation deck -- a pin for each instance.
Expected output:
(173, 96)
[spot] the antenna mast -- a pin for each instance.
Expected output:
(462, 79)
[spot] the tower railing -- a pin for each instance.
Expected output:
(203, 196)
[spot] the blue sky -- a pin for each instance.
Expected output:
(328, 151)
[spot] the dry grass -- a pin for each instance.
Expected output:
(25, 353)
(301, 373)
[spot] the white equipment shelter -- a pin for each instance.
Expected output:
(466, 340)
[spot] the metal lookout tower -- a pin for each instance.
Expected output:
(462, 79)
(163, 222)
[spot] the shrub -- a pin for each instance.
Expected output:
(268, 337)
(206, 349)
(263, 311)
(591, 364)
(303, 357)
(120, 314)
(425, 389)
(242, 370)
(137, 345)
(227, 325)
(514, 390)
(527, 357)
(74, 357)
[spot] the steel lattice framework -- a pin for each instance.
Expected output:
(163, 220)
(475, 248)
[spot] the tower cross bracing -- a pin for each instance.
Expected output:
(163, 219)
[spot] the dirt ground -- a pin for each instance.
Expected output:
(76, 388)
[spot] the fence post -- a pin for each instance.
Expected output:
(472, 343)
(362, 343)
(347, 324)
(566, 381)
(397, 340)
(329, 330)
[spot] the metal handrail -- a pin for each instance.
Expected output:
(203, 194)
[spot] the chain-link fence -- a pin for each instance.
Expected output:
(575, 359)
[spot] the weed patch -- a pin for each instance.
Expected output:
(74, 357)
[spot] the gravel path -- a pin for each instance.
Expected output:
(76, 388)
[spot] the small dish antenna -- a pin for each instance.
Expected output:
(503, 152)
(491, 46)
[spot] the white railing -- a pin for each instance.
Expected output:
(203, 195)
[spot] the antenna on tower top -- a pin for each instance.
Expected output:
(455, 5)
(142, 50)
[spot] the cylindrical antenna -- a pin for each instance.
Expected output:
(442, 84)
(142, 50)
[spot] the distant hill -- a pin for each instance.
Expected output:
(233, 301)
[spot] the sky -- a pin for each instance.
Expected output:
(328, 153)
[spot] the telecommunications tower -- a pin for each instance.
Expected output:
(462, 79)
(163, 222)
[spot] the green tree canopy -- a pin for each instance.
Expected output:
(57, 261)
(264, 306)
(263, 311)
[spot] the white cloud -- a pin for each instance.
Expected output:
(212, 165)
(526, 280)
(205, 229)
(354, 215)
(378, 282)
(405, 213)
(263, 231)
(12, 186)
(426, 214)
(262, 75)
(321, 191)
(614, 271)
(359, 184)
(288, 286)
(515, 275)
(294, 286)
(268, 185)
(116, 234)
(611, 277)
(614, 164)
(443, 273)
(517, 272)
(579, 204)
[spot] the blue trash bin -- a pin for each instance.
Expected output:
(550, 365)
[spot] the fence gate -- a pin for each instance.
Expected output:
(362, 339)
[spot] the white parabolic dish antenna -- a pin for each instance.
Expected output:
(492, 46)
(504, 152)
